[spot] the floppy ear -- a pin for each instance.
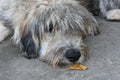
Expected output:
(30, 39)
(29, 46)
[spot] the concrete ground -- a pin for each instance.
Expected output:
(104, 61)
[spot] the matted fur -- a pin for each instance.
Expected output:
(48, 28)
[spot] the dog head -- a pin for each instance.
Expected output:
(54, 30)
(62, 47)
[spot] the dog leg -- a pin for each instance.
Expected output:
(4, 32)
(103, 7)
(113, 14)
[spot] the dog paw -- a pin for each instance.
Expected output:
(113, 14)
(4, 32)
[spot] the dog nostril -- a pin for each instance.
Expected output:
(73, 55)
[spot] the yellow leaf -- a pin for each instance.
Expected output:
(78, 67)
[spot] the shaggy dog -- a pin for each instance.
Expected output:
(52, 30)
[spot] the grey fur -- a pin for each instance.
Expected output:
(70, 23)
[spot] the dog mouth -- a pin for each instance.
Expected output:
(56, 63)
(60, 53)
(60, 62)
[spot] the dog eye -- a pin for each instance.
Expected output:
(50, 27)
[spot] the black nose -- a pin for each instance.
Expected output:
(73, 55)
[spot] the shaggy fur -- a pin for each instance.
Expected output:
(50, 29)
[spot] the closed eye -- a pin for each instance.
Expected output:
(50, 27)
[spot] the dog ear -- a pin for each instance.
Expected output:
(31, 39)
(29, 46)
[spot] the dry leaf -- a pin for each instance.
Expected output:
(78, 67)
